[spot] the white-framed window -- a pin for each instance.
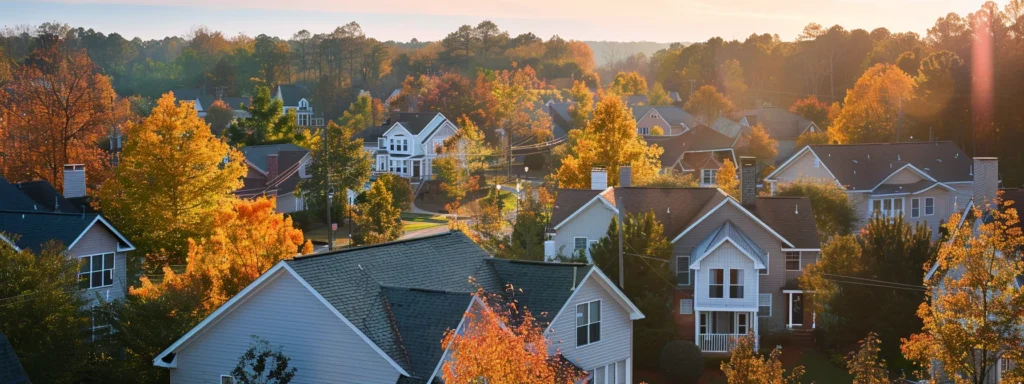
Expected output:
(887, 207)
(709, 176)
(915, 207)
(929, 206)
(579, 245)
(686, 306)
(303, 103)
(405, 145)
(716, 283)
(741, 323)
(96, 271)
(792, 260)
(764, 305)
(382, 143)
(225, 379)
(303, 119)
(703, 322)
(643, 130)
(391, 144)
(588, 323)
(767, 264)
(735, 283)
(382, 163)
(817, 162)
(684, 276)
(612, 374)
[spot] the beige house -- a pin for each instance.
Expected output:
(924, 182)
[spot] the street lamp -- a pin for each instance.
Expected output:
(330, 224)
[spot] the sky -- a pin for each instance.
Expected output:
(402, 20)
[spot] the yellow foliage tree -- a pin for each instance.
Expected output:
(628, 84)
(657, 131)
(727, 180)
(872, 109)
(761, 145)
(707, 104)
(657, 96)
(173, 175)
(610, 140)
(746, 367)
(865, 366)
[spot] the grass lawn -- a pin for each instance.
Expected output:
(414, 222)
(819, 369)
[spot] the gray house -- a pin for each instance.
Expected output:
(377, 314)
(736, 261)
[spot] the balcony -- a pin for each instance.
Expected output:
(721, 342)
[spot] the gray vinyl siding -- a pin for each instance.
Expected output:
(99, 240)
(726, 257)
(803, 167)
(616, 342)
(772, 282)
(320, 345)
(289, 203)
(592, 223)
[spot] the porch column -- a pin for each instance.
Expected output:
(757, 332)
(696, 327)
(789, 309)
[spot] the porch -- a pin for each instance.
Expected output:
(720, 331)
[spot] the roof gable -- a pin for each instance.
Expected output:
(865, 166)
(732, 202)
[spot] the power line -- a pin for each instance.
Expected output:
(872, 280)
(919, 289)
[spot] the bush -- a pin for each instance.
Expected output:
(681, 362)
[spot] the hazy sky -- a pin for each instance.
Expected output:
(653, 20)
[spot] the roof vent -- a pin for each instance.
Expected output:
(854, 171)
(869, 156)
(939, 160)
(855, 161)
(956, 155)
(668, 210)
(796, 209)
(898, 157)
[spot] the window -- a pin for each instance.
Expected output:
(643, 130)
(96, 271)
(887, 207)
(764, 305)
(391, 144)
(741, 323)
(686, 307)
(716, 283)
(817, 162)
(792, 261)
(683, 273)
(929, 206)
(382, 142)
(612, 374)
(405, 145)
(735, 283)
(382, 163)
(225, 379)
(709, 176)
(579, 245)
(767, 264)
(915, 207)
(588, 323)
(703, 323)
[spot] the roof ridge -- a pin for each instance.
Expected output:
(362, 247)
(46, 213)
(537, 262)
(866, 144)
(419, 289)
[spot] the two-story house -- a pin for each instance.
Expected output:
(377, 314)
(33, 214)
(924, 182)
(699, 151)
(276, 170)
(406, 144)
(297, 98)
(736, 261)
(781, 124)
(672, 120)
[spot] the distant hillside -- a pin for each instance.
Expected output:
(607, 51)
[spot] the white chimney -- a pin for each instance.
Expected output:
(598, 178)
(74, 180)
(986, 180)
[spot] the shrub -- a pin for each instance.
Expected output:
(681, 362)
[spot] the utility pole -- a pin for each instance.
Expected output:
(618, 204)
(330, 191)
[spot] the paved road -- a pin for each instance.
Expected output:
(426, 232)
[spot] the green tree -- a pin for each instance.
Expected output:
(529, 228)
(708, 105)
(657, 96)
(344, 161)
(865, 366)
(400, 188)
(263, 364)
(461, 156)
(646, 266)
(267, 123)
(682, 362)
(359, 115)
(377, 220)
(834, 214)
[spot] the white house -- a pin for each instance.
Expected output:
(406, 144)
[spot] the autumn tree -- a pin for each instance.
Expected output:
(761, 145)
(501, 343)
(873, 110)
(219, 116)
(727, 180)
(54, 110)
(657, 96)
(461, 156)
(707, 104)
(610, 140)
(974, 313)
(811, 138)
(671, 179)
(342, 164)
(376, 220)
(172, 163)
(834, 214)
(745, 366)
(628, 84)
(864, 364)
(818, 112)
(267, 123)
(400, 188)
(583, 105)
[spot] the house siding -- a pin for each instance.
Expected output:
(99, 240)
(289, 203)
(726, 257)
(904, 176)
(803, 167)
(616, 342)
(592, 223)
(652, 118)
(945, 203)
(320, 345)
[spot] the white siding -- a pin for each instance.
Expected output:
(726, 257)
(591, 223)
(803, 167)
(616, 342)
(320, 345)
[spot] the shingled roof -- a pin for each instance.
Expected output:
(31, 230)
(414, 122)
(864, 166)
(292, 93)
(672, 114)
(700, 138)
(790, 217)
(780, 123)
(11, 371)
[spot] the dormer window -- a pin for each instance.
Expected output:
(303, 104)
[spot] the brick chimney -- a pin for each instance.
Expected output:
(271, 166)
(598, 179)
(74, 180)
(748, 180)
(986, 179)
(625, 176)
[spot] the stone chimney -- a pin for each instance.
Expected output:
(271, 166)
(74, 180)
(625, 176)
(986, 179)
(598, 179)
(748, 180)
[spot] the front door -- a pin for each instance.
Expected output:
(796, 305)
(415, 169)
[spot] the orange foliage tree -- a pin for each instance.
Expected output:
(56, 108)
(502, 345)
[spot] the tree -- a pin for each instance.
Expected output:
(646, 272)
(262, 364)
(746, 367)
(732, 78)
(54, 110)
(657, 131)
(502, 344)
(761, 145)
(628, 84)
(267, 123)
(865, 366)
(346, 163)
(41, 313)
(671, 179)
(377, 220)
(811, 138)
(219, 116)
(460, 157)
(708, 105)
(727, 179)
(682, 362)
(400, 188)
(974, 312)
(609, 140)
(583, 105)
(873, 110)
(657, 96)
(359, 115)
(529, 228)
(172, 164)
(834, 214)
(816, 111)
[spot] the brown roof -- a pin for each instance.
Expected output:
(568, 201)
(701, 138)
(674, 208)
(863, 166)
(791, 217)
(287, 180)
(779, 122)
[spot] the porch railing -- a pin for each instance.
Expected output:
(718, 342)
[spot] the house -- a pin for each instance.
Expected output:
(736, 261)
(674, 96)
(406, 144)
(33, 214)
(377, 314)
(635, 100)
(297, 98)
(699, 151)
(391, 98)
(203, 101)
(561, 121)
(276, 170)
(922, 181)
(672, 120)
(781, 124)
(11, 370)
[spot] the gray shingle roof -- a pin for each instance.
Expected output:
(257, 154)
(863, 166)
(672, 114)
(43, 194)
(535, 285)
(790, 217)
(414, 122)
(560, 119)
(11, 371)
(14, 199)
(34, 229)
(422, 318)
(728, 231)
(903, 188)
(700, 138)
(291, 94)
(728, 127)
(568, 201)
